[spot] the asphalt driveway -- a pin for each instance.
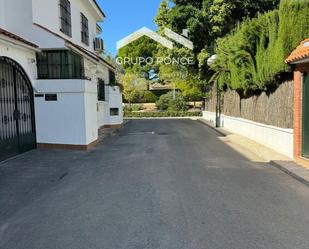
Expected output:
(169, 184)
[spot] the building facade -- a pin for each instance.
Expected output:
(56, 89)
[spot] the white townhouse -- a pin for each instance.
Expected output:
(56, 91)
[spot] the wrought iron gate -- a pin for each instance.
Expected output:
(305, 114)
(17, 126)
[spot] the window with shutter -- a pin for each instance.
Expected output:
(84, 30)
(60, 64)
(65, 17)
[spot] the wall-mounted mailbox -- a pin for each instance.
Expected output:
(51, 97)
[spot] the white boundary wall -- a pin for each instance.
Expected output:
(72, 119)
(276, 138)
(113, 100)
(114, 96)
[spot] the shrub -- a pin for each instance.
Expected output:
(149, 97)
(167, 102)
(163, 102)
(178, 104)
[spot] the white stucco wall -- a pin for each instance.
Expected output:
(21, 23)
(273, 137)
(62, 121)
(21, 55)
(72, 119)
(102, 73)
(103, 113)
(76, 115)
(91, 117)
(114, 98)
(46, 13)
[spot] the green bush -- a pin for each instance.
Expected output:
(161, 114)
(178, 104)
(149, 97)
(163, 102)
(167, 102)
(253, 56)
(133, 108)
(142, 96)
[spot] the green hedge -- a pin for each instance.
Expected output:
(253, 56)
(161, 114)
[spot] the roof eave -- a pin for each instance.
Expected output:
(295, 62)
(11, 41)
(99, 11)
(94, 57)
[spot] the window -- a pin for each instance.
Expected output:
(65, 17)
(101, 90)
(85, 30)
(60, 64)
(114, 111)
(112, 77)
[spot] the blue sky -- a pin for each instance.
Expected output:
(124, 17)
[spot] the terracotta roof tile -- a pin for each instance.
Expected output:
(17, 38)
(300, 53)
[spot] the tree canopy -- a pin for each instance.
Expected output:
(251, 38)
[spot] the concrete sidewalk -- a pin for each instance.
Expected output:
(257, 152)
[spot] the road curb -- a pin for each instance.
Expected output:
(298, 177)
(221, 133)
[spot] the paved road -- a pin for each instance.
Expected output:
(168, 184)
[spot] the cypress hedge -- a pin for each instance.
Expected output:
(252, 57)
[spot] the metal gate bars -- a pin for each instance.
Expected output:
(17, 125)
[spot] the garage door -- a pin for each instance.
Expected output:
(17, 126)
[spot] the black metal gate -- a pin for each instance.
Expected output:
(305, 114)
(17, 125)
